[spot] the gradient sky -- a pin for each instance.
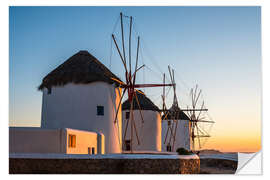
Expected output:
(218, 48)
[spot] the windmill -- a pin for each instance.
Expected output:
(130, 85)
(172, 116)
(194, 117)
(197, 118)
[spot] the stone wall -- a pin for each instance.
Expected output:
(103, 166)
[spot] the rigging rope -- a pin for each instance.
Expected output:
(114, 28)
(144, 46)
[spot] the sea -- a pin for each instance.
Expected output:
(227, 156)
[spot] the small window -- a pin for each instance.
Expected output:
(169, 123)
(100, 110)
(71, 141)
(49, 90)
(127, 115)
(93, 150)
(127, 145)
(169, 148)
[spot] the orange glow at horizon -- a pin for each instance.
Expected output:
(230, 144)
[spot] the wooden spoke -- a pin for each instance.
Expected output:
(136, 133)
(163, 96)
(126, 128)
(175, 131)
(203, 132)
(198, 97)
(129, 119)
(119, 105)
(170, 74)
(195, 93)
(166, 135)
(139, 107)
(123, 40)
(198, 136)
(206, 121)
(130, 28)
(131, 125)
(123, 60)
(138, 70)
(169, 127)
(171, 132)
(137, 56)
(200, 111)
(173, 76)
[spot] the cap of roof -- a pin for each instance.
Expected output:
(175, 113)
(81, 68)
(145, 103)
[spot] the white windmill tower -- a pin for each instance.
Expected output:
(175, 123)
(148, 122)
(80, 94)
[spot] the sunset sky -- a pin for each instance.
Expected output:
(218, 48)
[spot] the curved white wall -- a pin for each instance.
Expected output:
(149, 132)
(75, 106)
(182, 138)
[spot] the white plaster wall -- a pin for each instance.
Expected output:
(84, 140)
(182, 138)
(40, 140)
(75, 106)
(36, 140)
(149, 132)
(101, 143)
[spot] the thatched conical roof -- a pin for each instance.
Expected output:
(175, 113)
(81, 68)
(145, 103)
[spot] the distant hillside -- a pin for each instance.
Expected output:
(210, 151)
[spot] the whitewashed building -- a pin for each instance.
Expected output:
(149, 132)
(60, 141)
(79, 94)
(182, 135)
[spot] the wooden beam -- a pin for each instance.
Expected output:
(123, 40)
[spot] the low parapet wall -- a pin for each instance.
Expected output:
(103, 164)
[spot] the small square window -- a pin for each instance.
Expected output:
(169, 148)
(127, 115)
(100, 110)
(71, 140)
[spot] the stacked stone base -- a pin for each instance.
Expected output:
(103, 166)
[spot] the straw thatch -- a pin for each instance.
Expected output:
(145, 103)
(176, 113)
(81, 68)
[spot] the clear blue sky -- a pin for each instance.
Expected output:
(217, 47)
